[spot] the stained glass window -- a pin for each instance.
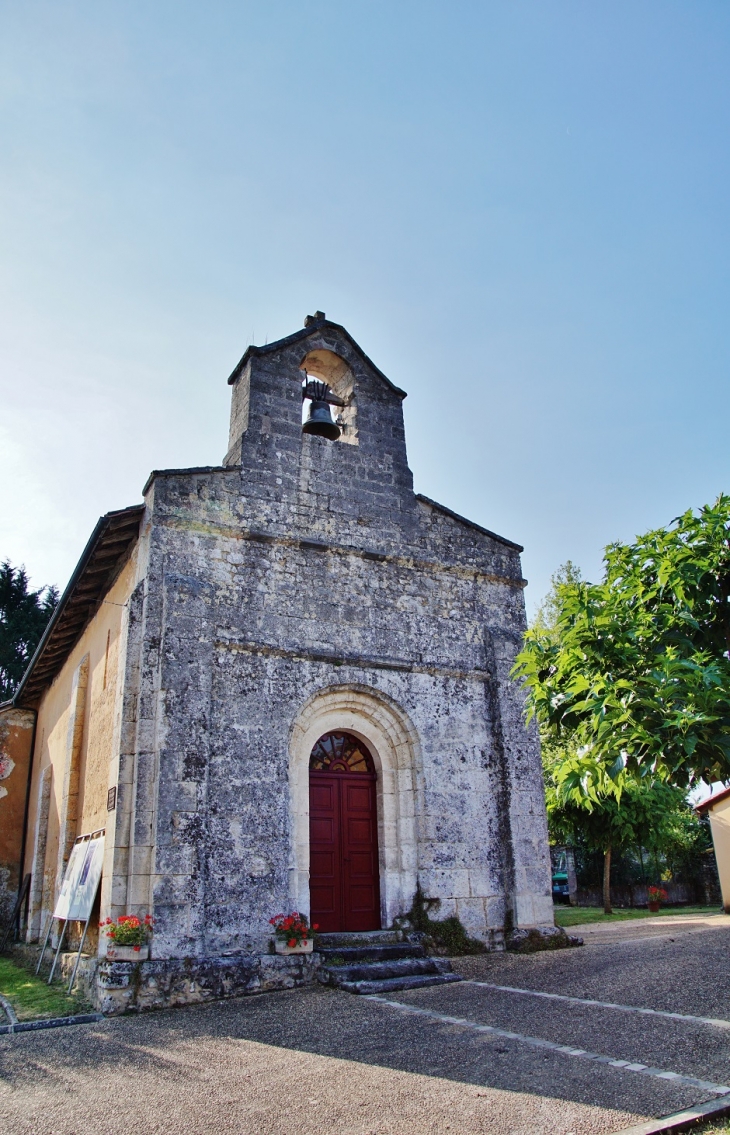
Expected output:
(340, 752)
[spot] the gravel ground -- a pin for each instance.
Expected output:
(691, 1049)
(685, 972)
(320, 1060)
(311, 1061)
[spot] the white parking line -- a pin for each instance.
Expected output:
(566, 1049)
(716, 1021)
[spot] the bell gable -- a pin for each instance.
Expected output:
(365, 449)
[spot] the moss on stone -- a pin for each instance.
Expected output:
(445, 935)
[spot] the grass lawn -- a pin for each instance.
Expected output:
(579, 915)
(31, 997)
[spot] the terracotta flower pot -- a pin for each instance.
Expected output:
(654, 907)
(127, 953)
(304, 947)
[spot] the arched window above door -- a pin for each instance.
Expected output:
(341, 752)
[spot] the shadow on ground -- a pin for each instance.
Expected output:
(319, 1059)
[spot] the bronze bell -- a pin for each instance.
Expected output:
(319, 418)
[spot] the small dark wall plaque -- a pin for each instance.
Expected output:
(111, 799)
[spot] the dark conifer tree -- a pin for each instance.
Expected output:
(23, 618)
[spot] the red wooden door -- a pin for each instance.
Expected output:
(360, 889)
(343, 851)
(325, 856)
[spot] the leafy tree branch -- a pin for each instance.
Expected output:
(636, 670)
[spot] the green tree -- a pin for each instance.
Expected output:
(649, 816)
(547, 614)
(23, 618)
(635, 671)
(586, 806)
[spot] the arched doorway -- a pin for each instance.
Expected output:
(343, 835)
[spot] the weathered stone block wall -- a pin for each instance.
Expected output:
(124, 987)
(311, 566)
(300, 587)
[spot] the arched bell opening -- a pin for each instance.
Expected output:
(344, 868)
(328, 395)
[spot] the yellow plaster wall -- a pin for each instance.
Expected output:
(53, 721)
(720, 827)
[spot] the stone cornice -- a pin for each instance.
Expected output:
(358, 662)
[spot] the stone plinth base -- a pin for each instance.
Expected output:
(123, 987)
(85, 983)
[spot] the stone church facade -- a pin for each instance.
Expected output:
(210, 638)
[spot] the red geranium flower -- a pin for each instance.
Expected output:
(128, 930)
(291, 928)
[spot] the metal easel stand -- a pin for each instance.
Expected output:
(58, 950)
(74, 918)
(78, 956)
(98, 832)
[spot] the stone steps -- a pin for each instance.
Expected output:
(395, 984)
(344, 955)
(378, 963)
(361, 938)
(398, 967)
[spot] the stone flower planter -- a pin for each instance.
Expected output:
(127, 953)
(305, 947)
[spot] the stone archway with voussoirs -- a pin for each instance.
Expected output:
(393, 742)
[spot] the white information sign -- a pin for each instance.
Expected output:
(87, 883)
(73, 870)
(80, 882)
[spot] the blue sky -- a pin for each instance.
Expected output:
(519, 209)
